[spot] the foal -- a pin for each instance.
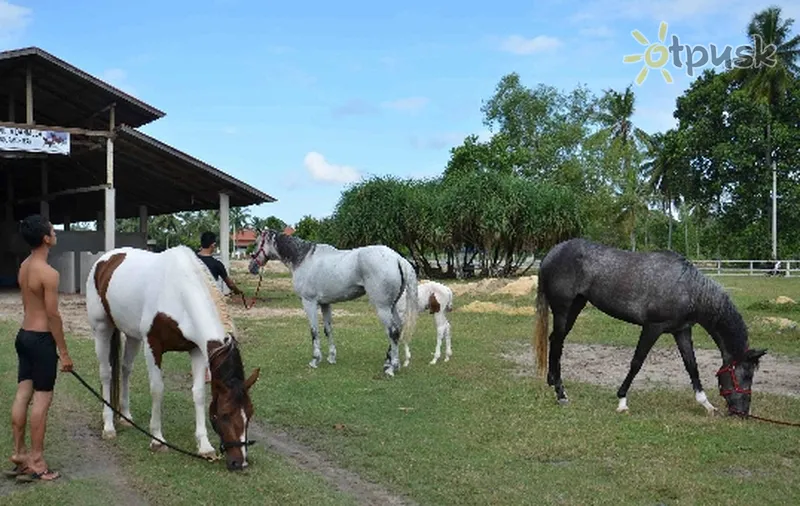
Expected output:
(438, 300)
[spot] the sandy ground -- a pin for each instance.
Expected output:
(608, 365)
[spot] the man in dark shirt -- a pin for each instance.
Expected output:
(208, 243)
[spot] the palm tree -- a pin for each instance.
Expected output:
(663, 168)
(615, 114)
(766, 75)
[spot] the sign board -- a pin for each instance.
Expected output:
(34, 141)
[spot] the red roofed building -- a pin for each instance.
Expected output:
(242, 240)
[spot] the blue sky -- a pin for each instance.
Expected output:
(300, 98)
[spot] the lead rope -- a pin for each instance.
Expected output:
(179, 450)
(255, 296)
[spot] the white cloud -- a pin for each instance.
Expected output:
(321, 170)
(354, 107)
(13, 20)
(410, 104)
(517, 44)
(119, 79)
(601, 32)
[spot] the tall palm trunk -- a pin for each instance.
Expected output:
(771, 164)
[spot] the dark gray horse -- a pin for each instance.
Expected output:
(663, 293)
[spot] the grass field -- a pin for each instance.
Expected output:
(469, 431)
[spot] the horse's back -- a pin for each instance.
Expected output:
(127, 280)
(632, 286)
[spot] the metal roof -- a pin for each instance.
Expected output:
(65, 95)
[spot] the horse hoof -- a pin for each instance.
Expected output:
(109, 434)
(125, 422)
(331, 360)
(623, 410)
(563, 401)
(155, 446)
(389, 372)
(447, 359)
(313, 364)
(406, 363)
(432, 362)
(209, 454)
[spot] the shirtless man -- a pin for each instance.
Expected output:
(40, 344)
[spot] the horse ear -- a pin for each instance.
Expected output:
(252, 379)
(754, 355)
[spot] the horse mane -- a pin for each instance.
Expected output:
(714, 305)
(230, 369)
(293, 248)
(199, 268)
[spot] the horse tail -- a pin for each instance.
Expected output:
(408, 283)
(114, 359)
(542, 324)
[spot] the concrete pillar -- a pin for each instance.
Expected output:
(110, 218)
(143, 221)
(225, 230)
(29, 95)
(9, 197)
(44, 205)
(67, 223)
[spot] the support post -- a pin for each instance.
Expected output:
(9, 197)
(29, 95)
(143, 221)
(11, 111)
(225, 230)
(67, 223)
(110, 218)
(44, 205)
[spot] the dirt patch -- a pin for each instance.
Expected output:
(482, 287)
(71, 306)
(493, 307)
(86, 458)
(261, 311)
(519, 288)
(779, 322)
(607, 366)
(364, 492)
(784, 300)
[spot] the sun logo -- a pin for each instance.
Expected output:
(655, 56)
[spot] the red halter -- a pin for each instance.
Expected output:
(731, 368)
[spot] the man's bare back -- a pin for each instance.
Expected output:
(34, 274)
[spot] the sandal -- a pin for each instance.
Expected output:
(13, 473)
(47, 475)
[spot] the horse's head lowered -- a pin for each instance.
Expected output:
(266, 249)
(231, 409)
(735, 380)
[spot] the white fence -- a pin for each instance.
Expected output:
(748, 267)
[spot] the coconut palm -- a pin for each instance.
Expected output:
(766, 68)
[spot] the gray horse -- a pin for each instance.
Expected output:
(323, 275)
(660, 291)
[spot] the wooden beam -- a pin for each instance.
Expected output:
(75, 131)
(44, 205)
(11, 108)
(29, 94)
(72, 191)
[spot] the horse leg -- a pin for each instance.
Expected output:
(647, 339)
(310, 307)
(132, 347)
(563, 321)
(102, 347)
(448, 351)
(440, 333)
(156, 396)
(327, 325)
(683, 339)
(391, 321)
(199, 366)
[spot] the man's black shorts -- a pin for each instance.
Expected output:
(38, 359)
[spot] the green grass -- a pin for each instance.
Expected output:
(469, 431)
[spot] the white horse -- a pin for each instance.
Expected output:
(169, 300)
(438, 300)
(323, 275)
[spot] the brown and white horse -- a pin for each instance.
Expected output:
(437, 299)
(169, 301)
